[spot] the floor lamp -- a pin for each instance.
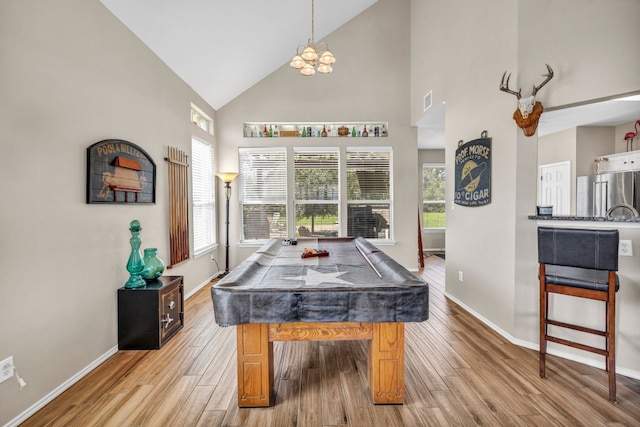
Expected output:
(227, 177)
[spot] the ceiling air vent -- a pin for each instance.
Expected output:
(427, 101)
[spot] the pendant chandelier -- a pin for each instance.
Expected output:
(308, 57)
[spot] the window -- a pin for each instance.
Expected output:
(305, 184)
(263, 193)
(201, 120)
(433, 195)
(203, 188)
(316, 173)
(368, 193)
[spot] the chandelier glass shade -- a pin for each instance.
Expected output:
(310, 57)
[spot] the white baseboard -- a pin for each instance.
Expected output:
(60, 389)
(202, 285)
(82, 373)
(535, 346)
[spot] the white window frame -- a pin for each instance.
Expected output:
(242, 198)
(316, 150)
(203, 196)
(288, 199)
(425, 228)
(388, 201)
(200, 119)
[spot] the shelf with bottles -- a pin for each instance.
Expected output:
(316, 130)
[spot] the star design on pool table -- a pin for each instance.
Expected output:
(315, 278)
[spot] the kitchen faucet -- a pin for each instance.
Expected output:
(634, 212)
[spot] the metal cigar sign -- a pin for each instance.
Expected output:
(473, 172)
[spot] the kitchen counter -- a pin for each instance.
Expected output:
(601, 220)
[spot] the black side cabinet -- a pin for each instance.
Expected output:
(149, 316)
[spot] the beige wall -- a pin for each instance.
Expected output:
(379, 93)
(592, 142)
(73, 75)
(557, 147)
(603, 69)
(463, 67)
(588, 45)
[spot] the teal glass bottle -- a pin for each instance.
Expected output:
(153, 265)
(135, 264)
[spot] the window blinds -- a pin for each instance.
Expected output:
(368, 175)
(316, 175)
(263, 175)
(203, 193)
(263, 192)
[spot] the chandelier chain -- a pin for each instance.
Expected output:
(313, 36)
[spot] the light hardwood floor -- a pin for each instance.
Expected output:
(458, 373)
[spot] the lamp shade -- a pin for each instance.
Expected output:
(309, 53)
(308, 70)
(297, 62)
(324, 68)
(227, 176)
(327, 58)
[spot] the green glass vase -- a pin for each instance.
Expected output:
(153, 265)
(135, 265)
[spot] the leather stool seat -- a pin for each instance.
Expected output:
(584, 278)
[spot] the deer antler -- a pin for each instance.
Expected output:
(549, 77)
(504, 86)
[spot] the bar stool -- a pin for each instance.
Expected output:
(580, 263)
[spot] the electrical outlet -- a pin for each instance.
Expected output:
(6, 369)
(625, 248)
(460, 276)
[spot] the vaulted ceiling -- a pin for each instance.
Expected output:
(223, 47)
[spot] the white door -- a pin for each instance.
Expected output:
(555, 187)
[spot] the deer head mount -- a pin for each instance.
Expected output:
(529, 110)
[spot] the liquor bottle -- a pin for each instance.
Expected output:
(276, 132)
(324, 131)
(265, 132)
(304, 131)
(384, 130)
(364, 132)
(270, 131)
(353, 132)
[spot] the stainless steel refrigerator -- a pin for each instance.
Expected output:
(595, 194)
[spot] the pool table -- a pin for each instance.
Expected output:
(350, 291)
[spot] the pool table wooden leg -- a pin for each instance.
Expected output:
(255, 365)
(386, 363)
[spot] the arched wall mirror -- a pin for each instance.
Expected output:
(588, 140)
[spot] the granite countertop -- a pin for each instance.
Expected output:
(582, 218)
